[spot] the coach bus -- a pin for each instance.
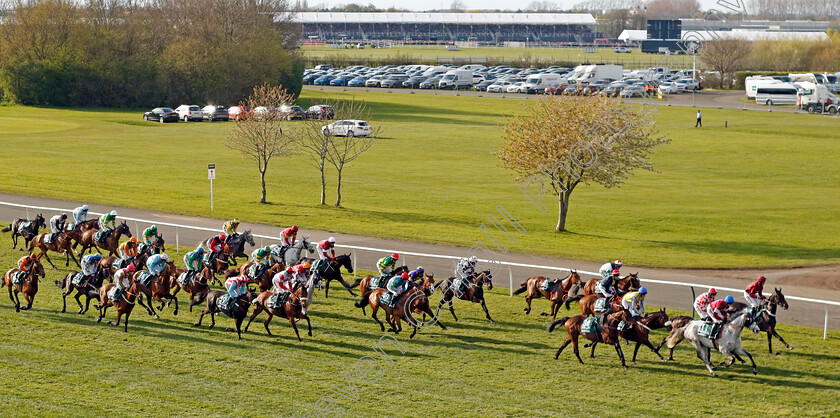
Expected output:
(777, 94)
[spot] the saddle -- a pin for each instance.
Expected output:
(277, 300)
(279, 251)
(388, 298)
(120, 263)
(458, 285)
(115, 294)
(145, 278)
(18, 277)
(378, 282)
(48, 239)
(23, 228)
(184, 278)
(255, 270)
(548, 285)
(77, 279)
(710, 331)
(100, 236)
(592, 325)
(226, 304)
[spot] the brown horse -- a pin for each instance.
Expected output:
(159, 288)
(91, 290)
(364, 283)
(197, 287)
(28, 286)
(220, 265)
(413, 300)
(294, 308)
(30, 232)
(112, 241)
(61, 243)
(124, 305)
(587, 304)
(556, 296)
(638, 331)
(238, 313)
(473, 292)
(766, 319)
(263, 281)
(627, 284)
(608, 335)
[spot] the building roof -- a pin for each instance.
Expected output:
(448, 18)
(751, 35)
(632, 35)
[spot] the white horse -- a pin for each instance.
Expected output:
(293, 254)
(729, 343)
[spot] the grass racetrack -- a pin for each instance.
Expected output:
(69, 365)
(760, 193)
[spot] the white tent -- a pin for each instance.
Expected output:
(632, 35)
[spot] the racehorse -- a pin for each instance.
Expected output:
(673, 327)
(61, 243)
(766, 319)
(332, 271)
(474, 292)
(87, 225)
(729, 343)
(238, 313)
(234, 248)
(364, 283)
(112, 241)
(638, 331)
(124, 305)
(413, 300)
(292, 255)
(31, 231)
(556, 296)
(587, 304)
(28, 285)
(159, 287)
(627, 284)
(91, 290)
(294, 307)
(197, 287)
(608, 334)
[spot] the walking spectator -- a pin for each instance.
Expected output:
(699, 120)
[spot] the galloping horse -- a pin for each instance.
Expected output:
(238, 313)
(197, 287)
(364, 283)
(112, 241)
(294, 307)
(124, 305)
(587, 304)
(474, 292)
(556, 296)
(729, 343)
(91, 290)
(413, 300)
(159, 287)
(332, 271)
(28, 285)
(294, 254)
(31, 231)
(766, 319)
(61, 243)
(608, 335)
(233, 249)
(628, 283)
(638, 331)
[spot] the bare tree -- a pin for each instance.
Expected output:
(342, 150)
(315, 144)
(726, 56)
(457, 6)
(259, 134)
(542, 6)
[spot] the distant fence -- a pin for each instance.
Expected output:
(692, 286)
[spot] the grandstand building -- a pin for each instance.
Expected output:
(449, 27)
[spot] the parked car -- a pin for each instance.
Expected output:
(320, 112)
(214, 113)
(482, 86)
(324, 80)
(189, 112)
(498, 86)
(613, 90)
(238, 112)
(431, 83)
(347, 128)
(668, 88)
(572, 90)
(634, 90)
(515, 87)
(357, 82)
(374, 81)
(161, 114)
(341, 80)
(263, 112)
(290, 112)
(687, 84)
(622, 50)
(393, 81)
(414, 81)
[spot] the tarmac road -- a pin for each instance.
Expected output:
(795, 281)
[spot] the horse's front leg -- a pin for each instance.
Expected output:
(487, 313)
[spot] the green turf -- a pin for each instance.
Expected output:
(762, 192)
(68, 365)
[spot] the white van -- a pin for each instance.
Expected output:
(536, 83)
(456, 80)
(752, 83)
(471, 67)
(601, 72)
(776, 94)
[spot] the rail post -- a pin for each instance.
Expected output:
(510, 273)
(355, 264)
(27, 213)
(177, 241)
(825, 327)
(693, 297)
(137, 228)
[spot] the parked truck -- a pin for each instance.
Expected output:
(456, 80)
(536, 83)
(600, 72)
(814, 98)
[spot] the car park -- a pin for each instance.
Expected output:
(431, 83)
(213, 113)
(347, 128)
(238, 112)
(320, 112)
(189, 112)
(161, 114)
(634, 90)
(291, 112)
(393, 81)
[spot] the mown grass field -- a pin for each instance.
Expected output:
(635, 59)
(68, 365)
(762, 192)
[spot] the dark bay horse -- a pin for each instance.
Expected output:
(474, 292)
(332, 271)
(124, 305)
(61, 243)
(766, 319)
(364, 283)
(627, 284)
(160, 286)
(293, 308)
(608, 334)
(30, 232)
(112, 241)
(638, 332)
(28, 286)
(197, 288)
(238, 313)
(91, 290)
(413, 300)
(587, 304)
(556, 296)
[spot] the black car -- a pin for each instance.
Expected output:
(320, 112)
(431, 83)
(161, 114)
(482, 86)
(214, 113)
(414, 81)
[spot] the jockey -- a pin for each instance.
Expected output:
(150, 235)
(607, 269)
(194, 260)
(108, 221)
(753, 293)
(283, 281)
(326, 249)
(26, 262)
(301, 272)
(635, 302)
(57, 223)
(609, 285)
(80, 214)
(157, 263)
(466, 267)
(90, 266)
(122, 281)
(128, 249)
(386, 264)
(216, 245)
(261, 257)
(729, 299)
(229, 228)
(289, 235)
(396, 286)
(237, 286)
(717, 311)
(416, 275)
(701, 304)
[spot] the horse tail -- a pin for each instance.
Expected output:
(7, 228)
(557, 322)
(676, 336)
(571, 299)
(362, 302)
(521, 290)
(356, 283)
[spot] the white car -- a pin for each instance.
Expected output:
(499, 86)
(189, 112)
(622, 50)
(668, 88)
(687, 84)
(347, 128)
(515, 87)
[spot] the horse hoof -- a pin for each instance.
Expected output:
(210, 327)
(625, 367)
(310, 334)
(175, 313)
(755, 371)
(790, 347)
(196, 325)
(492, 321)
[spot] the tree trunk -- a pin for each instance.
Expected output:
(262, 182)
(563, 203)
(338, 190)
(323, 185)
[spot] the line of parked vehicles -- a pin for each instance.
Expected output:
(214, 113)
(811, 92)
(610, 80)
